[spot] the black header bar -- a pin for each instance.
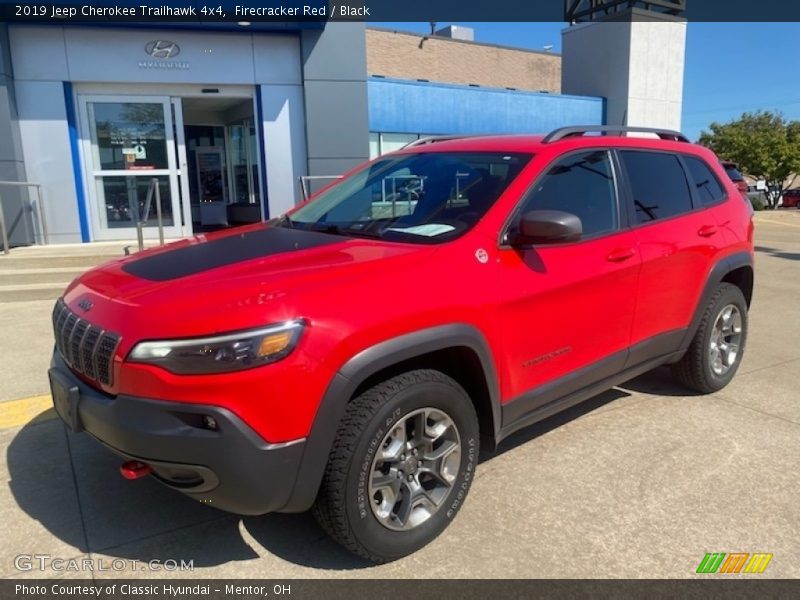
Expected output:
(440, 11)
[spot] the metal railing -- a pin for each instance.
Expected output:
(305, 179)
(152, 190)
(394, 194)
(39, 213)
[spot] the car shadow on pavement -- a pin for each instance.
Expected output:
(778, 253)
(297, 538)
(658, 382)
(50, 470)
(71, 485)
(523, 436)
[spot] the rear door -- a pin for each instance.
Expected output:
(678, 237)
(710, 195)
(566, 309)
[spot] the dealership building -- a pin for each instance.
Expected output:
(222, 120)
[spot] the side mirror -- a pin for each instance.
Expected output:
(547, 227)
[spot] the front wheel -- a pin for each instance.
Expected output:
(716, 350)
(401, 465)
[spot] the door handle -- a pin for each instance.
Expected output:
(620, 254)
(707, 230)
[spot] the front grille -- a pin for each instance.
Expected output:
(86, 348)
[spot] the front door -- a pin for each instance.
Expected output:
(128, 143)
(567, 309)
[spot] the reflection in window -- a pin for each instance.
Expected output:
(125, 201)
(130, 135)
(410, 197)
(708, 187)
(581, 184)
(658, 183)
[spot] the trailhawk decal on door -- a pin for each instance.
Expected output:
(544, 357)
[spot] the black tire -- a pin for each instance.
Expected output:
(344, 507)
(695, 370)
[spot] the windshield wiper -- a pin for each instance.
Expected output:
(283, 221)
(345, 231)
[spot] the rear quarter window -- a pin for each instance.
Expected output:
(708, 188)
(658, 184)
(734, 173)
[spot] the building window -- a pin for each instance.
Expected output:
(374, 145)
(384, 142)
(394, 141)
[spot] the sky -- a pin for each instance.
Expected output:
(730, 68)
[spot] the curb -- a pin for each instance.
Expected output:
(26, 411)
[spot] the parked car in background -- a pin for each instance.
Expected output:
(791, 198)
(732, 169)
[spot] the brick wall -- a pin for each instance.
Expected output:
(411, 56)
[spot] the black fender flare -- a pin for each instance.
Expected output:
(361, 366)
(718, 272)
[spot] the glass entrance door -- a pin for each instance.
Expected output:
(242, 151)
(128, 143)
(218, 153)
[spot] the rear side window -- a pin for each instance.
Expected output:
(708, 187)
(734, 173)
(581, 184)
(658, 183)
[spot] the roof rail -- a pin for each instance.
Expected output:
(432, 139)
(579, 130)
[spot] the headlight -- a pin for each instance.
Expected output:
(221, 353)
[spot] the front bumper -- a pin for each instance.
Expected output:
(230, 467)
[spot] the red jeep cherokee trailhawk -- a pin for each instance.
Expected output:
(353, 355)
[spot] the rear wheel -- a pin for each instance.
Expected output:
(401, 465)
(716, 351)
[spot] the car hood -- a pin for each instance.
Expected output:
(234, 280)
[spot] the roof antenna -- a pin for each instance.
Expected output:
(426, 37)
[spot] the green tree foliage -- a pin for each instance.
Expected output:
(764, 144)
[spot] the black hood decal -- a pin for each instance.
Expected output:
(227, 250)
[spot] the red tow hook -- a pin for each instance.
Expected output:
(134, 469)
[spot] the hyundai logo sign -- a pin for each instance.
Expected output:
(162, 49)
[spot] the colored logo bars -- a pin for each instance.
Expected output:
(735, 562)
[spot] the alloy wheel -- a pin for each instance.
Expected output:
(414, 469)
(726, 339)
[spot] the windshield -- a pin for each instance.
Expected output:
(429, 197)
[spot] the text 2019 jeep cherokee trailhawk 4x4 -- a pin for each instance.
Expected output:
(353, 355)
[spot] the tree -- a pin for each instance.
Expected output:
(764, 144)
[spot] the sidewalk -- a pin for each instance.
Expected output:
(42, 272)
(114, 248)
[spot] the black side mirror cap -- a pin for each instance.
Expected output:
(546, 227)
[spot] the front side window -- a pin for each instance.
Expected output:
(428, 197)
(581, 184)
(708, 187)
(658, 184)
